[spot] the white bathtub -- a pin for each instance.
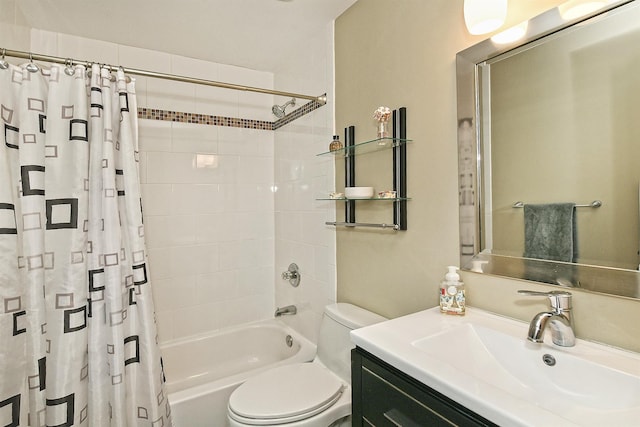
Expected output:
(203, 371)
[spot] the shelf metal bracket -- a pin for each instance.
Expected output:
(362, 224)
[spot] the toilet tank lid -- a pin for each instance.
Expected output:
(351, 316)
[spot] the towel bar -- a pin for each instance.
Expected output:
(362, 224)
(594, 204)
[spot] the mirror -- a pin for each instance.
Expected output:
(549, 120)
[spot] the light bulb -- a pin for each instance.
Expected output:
(576, 8)
(512, 34)
(484, 16)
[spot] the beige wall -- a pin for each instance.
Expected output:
(402, 53)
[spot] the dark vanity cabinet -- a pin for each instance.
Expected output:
(384, 396)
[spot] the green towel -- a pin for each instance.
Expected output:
(550, 232)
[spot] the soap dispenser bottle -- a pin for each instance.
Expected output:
(452, 298)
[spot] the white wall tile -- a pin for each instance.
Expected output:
(175, 293)
(160, 262)
(181, 168)
(142, 167)
(44, 42)
(171, 95)
(209, 228)
(196, 68)
(190, 138)
(196, 199)
(252, 281)
(252, 105)
(165, 324)
(301, 177)
(230, 253)
(17, 37)
(156, 199)
(217, 101)
(84, 49)
(154, 135)
(144, 59)
(218, 286)
(169, 231)
(194, 260)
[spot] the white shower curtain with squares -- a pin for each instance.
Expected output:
(78, 342)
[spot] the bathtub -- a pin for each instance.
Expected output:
(202, 371)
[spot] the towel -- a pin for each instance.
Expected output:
(550, 232)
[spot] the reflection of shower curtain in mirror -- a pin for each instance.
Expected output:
(76, 313)
(466, 189)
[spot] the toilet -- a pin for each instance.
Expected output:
(312, 394)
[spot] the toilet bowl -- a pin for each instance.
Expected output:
(313, 394)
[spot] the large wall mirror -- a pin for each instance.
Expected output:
(547, 123)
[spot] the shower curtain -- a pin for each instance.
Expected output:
(78, 344)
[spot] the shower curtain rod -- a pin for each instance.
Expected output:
(322, 99)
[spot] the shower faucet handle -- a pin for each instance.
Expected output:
(292, 275)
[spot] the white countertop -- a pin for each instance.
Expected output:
(495, 393)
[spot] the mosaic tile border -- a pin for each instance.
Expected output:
(206, 119)
(202, 119)
(296, 114)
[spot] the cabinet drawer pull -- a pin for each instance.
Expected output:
(399, 419)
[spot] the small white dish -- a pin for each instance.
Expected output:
(358, 192)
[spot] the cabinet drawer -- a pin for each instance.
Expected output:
(386, 397)
(384, 404)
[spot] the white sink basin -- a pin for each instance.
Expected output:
(484, 362)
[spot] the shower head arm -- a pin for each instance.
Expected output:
(278, 110)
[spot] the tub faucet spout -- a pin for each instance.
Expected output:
(559, 319)
(290, 309)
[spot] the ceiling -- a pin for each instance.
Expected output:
(249, 33)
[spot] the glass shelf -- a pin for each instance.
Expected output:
(377, 144)
(388, 199)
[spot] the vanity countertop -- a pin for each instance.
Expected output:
(484, 362)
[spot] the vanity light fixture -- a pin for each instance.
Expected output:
(512, 34)
(576, 8)
(484, 16)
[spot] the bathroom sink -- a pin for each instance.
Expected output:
(484, 362)
(536, 373)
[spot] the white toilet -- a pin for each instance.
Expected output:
(313, 394)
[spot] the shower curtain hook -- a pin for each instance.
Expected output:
(3, 64)
(31, 67)
(108, 67)
(127, 79)
(68, 67)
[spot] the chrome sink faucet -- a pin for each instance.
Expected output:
(290, 309)
(559, 319)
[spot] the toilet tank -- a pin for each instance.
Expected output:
(334, 342)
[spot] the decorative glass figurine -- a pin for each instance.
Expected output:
(382, 115)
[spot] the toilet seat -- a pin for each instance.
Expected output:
(285, 394)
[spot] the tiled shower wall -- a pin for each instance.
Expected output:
(302, 177)
(215, 260)
(209, 224)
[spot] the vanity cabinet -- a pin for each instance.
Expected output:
(398, 144)
(383, 396)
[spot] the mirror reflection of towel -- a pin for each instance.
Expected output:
(550, 232)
